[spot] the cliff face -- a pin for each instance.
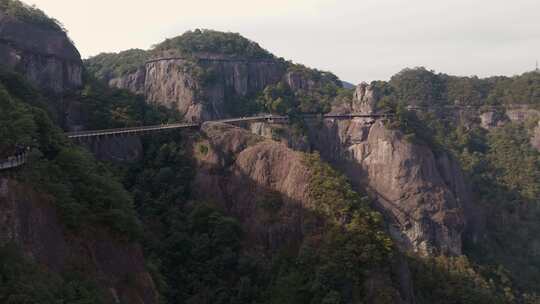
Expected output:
(422, 195)
(293, 139)
(169, 83)
(29, 219)
(240, 168)
(201, 90)
(133, 82)
(46, 57)
(297, 81)
(364, 99)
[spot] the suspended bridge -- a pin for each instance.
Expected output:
(20, 158)
(81, 135)
(13, 161)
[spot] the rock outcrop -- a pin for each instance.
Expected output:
(421, 194)
(293, 139)
(29, 219)
(201, 88)
(517, 114)
(169, 83)
(239, 169)
(492, 119)
(297, 81)
(46, 57)
(364, 99)
(133, 82)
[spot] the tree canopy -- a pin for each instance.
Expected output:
(210, 41)
(29, 14)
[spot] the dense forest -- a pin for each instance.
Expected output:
(422, 87)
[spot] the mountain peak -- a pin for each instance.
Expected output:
(214, 42)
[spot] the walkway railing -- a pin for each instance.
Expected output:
(13, 161)
(144, 129)
(154, 128)
(128, 131)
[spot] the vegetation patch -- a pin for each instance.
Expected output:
(23, 281)
(111, 65)
(85, 192)
(30, 14)
(209, 41)
(203, 149)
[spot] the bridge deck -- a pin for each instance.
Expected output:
(13, 162)
(155, 128)
(127, 131)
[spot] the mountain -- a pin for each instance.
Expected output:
(347, 85)
(436, 203)
(205, 74)
(38, 47)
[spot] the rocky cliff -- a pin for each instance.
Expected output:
(133, 82)
(45, 56)
(29, 219)
(266, 185)
(364, 99)
(239, 168)
(421, 194)
(200, 88)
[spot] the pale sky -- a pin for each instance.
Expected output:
(358, 40)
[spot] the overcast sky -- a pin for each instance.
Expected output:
(359, 40)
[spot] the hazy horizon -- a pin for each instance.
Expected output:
(358, 42)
